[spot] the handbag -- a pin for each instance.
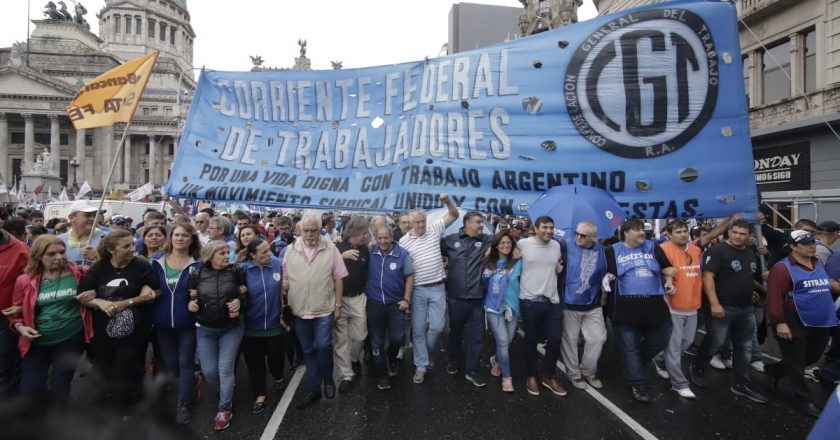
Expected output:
(121, 325)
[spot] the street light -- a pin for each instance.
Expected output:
(75, 164)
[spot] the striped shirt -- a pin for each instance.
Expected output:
(425, 253)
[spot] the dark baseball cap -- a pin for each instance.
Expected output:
(828, 226)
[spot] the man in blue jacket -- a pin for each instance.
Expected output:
(389, 286)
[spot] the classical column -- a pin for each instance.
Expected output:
(4, 148)
(127, 160)
(28, 143)
(55, 148)
(80, 156)
(152, 160)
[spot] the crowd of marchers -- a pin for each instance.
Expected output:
(345, 295)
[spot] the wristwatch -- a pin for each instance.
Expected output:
(131, 303)
(338, 306)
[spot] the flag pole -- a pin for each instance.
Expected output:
(108, 182)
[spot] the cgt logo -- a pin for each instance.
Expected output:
(644, 84)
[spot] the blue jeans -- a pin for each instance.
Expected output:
(9, 361)
(469, 312)
(547, 315)
(315, 336)
(177, 347)
(217, 352)
(739, 322)
(62, 357)
(637, 344)
(382, 318)
(427, 304)
(726, 351)
(503, 332)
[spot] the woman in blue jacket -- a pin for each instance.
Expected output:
(264, 327)
(174, 324)
(501, 304)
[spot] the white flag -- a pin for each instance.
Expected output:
(141, 192)
(83, 190)
(62, 197)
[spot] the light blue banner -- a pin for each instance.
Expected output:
(648, 104)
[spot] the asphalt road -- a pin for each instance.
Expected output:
(448, 407)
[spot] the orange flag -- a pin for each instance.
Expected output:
(113, 96)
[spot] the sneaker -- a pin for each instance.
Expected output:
(383, 383)
(532, 386)
(758, 366)
(507, 384)
(810, 410)
(579, 383)
(473, 378)
(452, 368)
(595, 382)
(717, 363)
(309, 400)
(182, 415)
(554, 385)
(685, 393)
(660, 370)
(697, 377)
(222, 420)
(393, 369)
(259, 407)
(745, 391)
(812, 374)
(692, 350)
(640, 394)
(495, 368)
(419, 376)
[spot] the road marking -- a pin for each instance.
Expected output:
(274, 423)
(600, 398)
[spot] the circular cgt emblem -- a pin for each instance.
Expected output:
(644, 84)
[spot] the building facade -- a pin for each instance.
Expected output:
(38, 81)
(792, 81)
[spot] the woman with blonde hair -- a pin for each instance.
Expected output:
(218, 292)
(52, 324)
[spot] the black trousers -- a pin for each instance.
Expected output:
(804, 349)
(261, 350)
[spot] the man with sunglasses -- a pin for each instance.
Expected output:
(586, 265)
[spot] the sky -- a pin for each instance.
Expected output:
(358, 33)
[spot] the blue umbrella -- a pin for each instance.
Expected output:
(569, 205)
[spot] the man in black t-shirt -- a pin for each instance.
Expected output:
(350, 328)
(728, 282)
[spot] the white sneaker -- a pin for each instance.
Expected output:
(717, 363)
(758, 366)
(685, 393)
(662, 372)
(811, 374)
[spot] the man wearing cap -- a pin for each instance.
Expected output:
(826, 236)
(801, 312)
(82, 238)
(117, 222)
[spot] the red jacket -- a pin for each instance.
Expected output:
(26, 294)
(14, 255)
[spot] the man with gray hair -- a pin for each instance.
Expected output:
(586, 265)
(220, 229)
(313, 276)
(202, 222)
(428, 302)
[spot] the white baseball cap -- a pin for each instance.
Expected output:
(82, 206)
